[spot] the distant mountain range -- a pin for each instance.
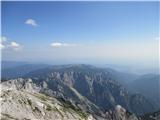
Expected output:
(11, 64)
(147, 85)
(91, 89)
(20, 71)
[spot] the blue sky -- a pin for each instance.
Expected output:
(118, 32)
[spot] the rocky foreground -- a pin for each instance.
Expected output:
(23, 101)
(27, 104)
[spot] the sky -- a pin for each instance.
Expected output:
(81, 32)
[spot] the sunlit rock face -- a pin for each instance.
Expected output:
(19, 102)
(99, 86)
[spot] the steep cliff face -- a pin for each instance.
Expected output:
(119, 113)
(86, 89)
(20, 99)
(96, 85)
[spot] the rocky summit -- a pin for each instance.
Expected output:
(23, 102)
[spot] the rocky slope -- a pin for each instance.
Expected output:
(21, 100)
(151, 116)
(91, 90)
(96, 87)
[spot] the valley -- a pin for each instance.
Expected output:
(94, 92)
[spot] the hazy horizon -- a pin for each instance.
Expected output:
(120, 33)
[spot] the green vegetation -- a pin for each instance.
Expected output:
(20, 101)
(49, 108)
(26, 119)
(36, 109)
(4, 119)
(29, 102)
(81, 113)
(68, 105)
(59, 112)
(7, 116)
(43, 97)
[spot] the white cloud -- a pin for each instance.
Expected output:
(5, 43)
(58, 44)
(2, 42)
(31, 22)
(3, 39)
(2, 46)
(14, 44)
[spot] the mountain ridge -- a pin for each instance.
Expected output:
(95, 90)
(25, 96)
